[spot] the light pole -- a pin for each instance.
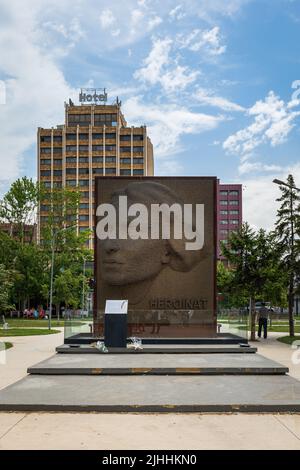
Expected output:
(83, 287)
(52, 269)
(292, 252)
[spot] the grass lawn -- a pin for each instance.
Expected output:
(288, 339)
(22, 322)
(26, 332)
(6, 345)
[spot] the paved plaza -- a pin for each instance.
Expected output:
(31, 430)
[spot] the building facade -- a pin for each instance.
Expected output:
(94, 140)
(229, 212)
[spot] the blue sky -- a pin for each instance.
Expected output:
(212, 80)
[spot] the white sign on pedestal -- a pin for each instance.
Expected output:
(116, 306)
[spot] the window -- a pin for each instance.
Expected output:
(125, 138)
(45, 208)
(83, 217)
(57, 138)
(110, 148)
(80, 118)
(46, 173)
(138, 172)
(110, 159)
(71, 136)
(234, 222)
(138, 161)
(57, 150)
(234, 212)
(97, 159)
(46, 162)
(224, 232)
(138, 149)
(83, 205)
(233, 203)
(223, 203)
(110, 171)
(110, 135)
(125, 149)
(45, 138)
(138, 138)
(85, 194)
(57, 172)
(233, 193)
(47, 184)
(46, 150)
(223, 193)
(57, 184)
(71, 160)
(83, 136)
(126, 161)
(224, 222)
(224, 212)
(83, 229)
(97, 171)
(83, 160)
(97, 148)
(71, 182)
(125, 172)
(71, 148)
(97, 136)
(71, 171)
(83, 148)
(99, 118)
(83, 171)
(57, 162)
(83, 182)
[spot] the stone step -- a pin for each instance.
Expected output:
(158, 364)
(143, 393)
(159, 349)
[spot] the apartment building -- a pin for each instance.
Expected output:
(229, 212)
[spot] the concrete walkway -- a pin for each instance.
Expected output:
(140, 431)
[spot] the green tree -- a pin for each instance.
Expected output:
(288, 232)
(254, 259)
(6, 283)
(18, 208)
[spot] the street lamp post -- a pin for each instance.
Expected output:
(83, 287)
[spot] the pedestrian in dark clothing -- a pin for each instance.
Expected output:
(263, 316)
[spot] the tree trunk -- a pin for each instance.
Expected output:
(291, 306)
(252, 318)
(58, 311)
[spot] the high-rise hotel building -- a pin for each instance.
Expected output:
(94, 140)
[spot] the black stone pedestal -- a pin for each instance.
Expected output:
(115, 330)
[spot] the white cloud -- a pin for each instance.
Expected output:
(273, 121)
(260, 194)
(160, 68)
(207, 41)
(36, 88)
(177, 13)
(107, 18)
(153, 22)
(206, 97)
(168, 123)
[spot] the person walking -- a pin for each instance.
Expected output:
(263, 315)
